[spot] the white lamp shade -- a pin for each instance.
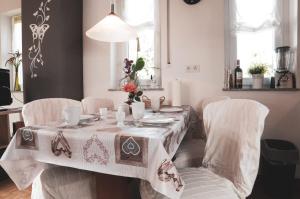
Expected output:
(112, 29)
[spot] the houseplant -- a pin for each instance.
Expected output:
(131, 81)
(15, 60)
(257, 71)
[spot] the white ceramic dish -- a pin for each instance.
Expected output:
(171, 110)
(157, 120)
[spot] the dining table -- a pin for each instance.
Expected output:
(141, 150)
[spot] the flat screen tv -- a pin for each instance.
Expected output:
(5, 95)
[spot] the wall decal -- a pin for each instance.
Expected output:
(38, 30)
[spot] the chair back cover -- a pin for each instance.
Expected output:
(91, 105)
(43, 111)
(233, 144)
(202, 104)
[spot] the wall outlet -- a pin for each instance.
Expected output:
(192, 69)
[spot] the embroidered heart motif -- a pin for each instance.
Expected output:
(94, 150)
(130, 146)
(60, 145)
(27, 135)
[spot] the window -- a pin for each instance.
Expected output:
(255, 28)
(17, 40)
(144, 17)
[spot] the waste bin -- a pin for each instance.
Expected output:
(279, 160)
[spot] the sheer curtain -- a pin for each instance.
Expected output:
(258, 22)
(17, 41)
(144, 16)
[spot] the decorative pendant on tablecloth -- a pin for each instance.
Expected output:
(26, 138)
(60, 145)
(166, 174)
(131, 150)
(38, 30)
(94, 150)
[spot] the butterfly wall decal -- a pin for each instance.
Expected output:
(38, 30)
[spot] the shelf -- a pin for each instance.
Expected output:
(144, 89)
(263, 89)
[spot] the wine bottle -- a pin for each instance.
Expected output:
(238, 75)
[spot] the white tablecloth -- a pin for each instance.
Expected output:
(100, 146)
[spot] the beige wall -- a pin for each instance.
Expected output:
(197, 37)
(9, 5)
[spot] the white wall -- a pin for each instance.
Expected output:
(197, 37)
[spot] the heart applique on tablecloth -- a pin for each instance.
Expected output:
(130, 146)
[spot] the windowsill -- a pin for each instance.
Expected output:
(145, 89)
(17, 91)
(263, 89)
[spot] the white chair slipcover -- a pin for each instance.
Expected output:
(64, 183)
(200, 183)
(234, 129)
(232, 150)
(190, 154)
(43, 111)
(57, 182)
(191, 151)
(91, 105)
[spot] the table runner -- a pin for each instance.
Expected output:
(100, 146)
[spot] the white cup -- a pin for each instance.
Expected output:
(103, 113)
(71, 115)
(138, 110)
(155, 104)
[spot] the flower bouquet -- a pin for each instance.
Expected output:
(131, 85)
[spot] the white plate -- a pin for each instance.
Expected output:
(157, 120)
(171, 110)
(86, 117)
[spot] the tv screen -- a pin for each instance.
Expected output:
(5, 95)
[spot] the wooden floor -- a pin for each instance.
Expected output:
(8, 190)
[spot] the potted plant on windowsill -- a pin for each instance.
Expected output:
(257, 71)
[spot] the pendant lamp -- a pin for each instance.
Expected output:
(112, 29)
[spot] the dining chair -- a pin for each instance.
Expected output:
(230, 165)
(43, 111)
(64, 183)
(57, 182)
(191, 151)
(91, 105)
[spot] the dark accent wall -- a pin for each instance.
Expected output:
(61, 74)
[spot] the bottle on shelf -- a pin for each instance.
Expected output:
(238, 75)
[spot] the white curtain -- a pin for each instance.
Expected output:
(144, 16)
(257, 16)
(17, 41)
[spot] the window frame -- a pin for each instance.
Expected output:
(157, 45)
(230, 43)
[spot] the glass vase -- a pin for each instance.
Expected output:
(17, 86)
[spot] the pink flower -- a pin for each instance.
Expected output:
(130, 87)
